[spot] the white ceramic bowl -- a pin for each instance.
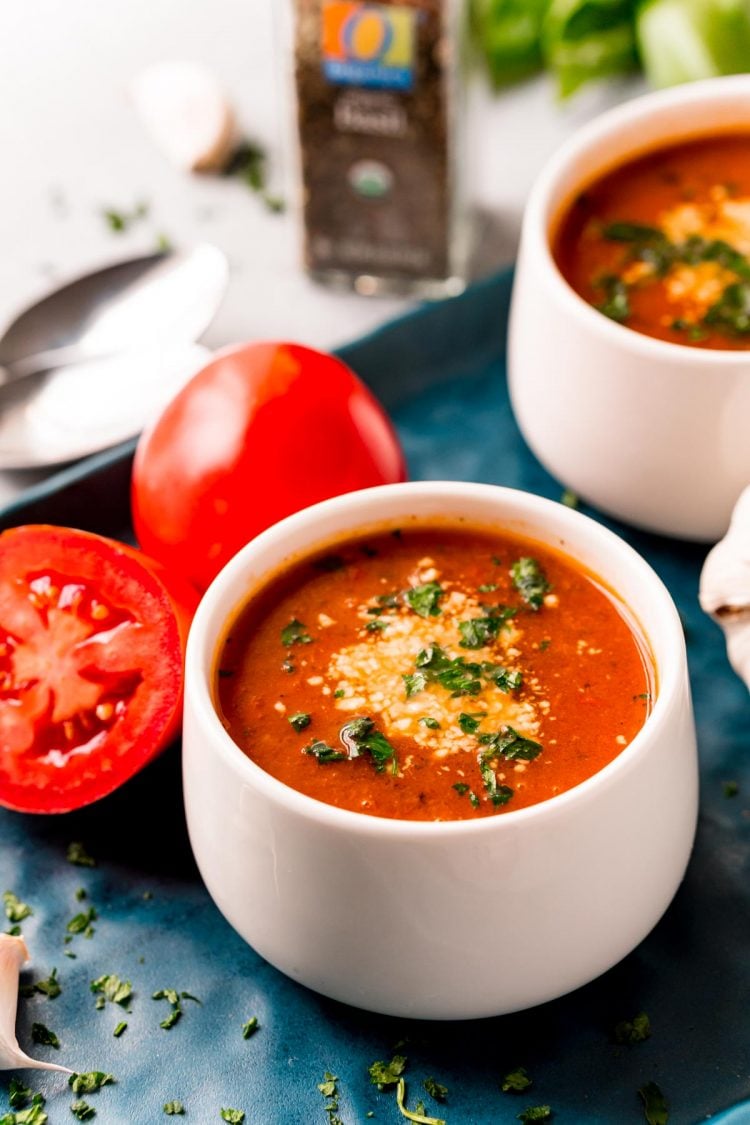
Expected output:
(458, 919)
(653, 432)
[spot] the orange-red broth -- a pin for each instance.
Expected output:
(686, 277)
(587, 679)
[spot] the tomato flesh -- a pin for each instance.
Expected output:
(90, 667)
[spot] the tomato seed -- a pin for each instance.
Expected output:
(104, 712)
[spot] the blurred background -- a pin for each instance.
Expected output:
(75, 149)
(85, 184)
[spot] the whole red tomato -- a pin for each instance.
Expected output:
(92, 640)
(262, 431)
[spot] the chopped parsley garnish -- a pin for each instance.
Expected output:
(300, 721)
(655, 1107)
(530, 581)
(77, 855)
(120, 221)
(435, 1089)
(480, 631)
(324, 753)
(376, 626)
(15, 910)
(122, 1026)
(110, 987)
(544, 645)
(383, 1074)
(34, 1115)
(429, 722)
(330, 1092)
(233, 1116)
(461, 788)
(458, 676)
(535, 1113)
(329, 564)
(50, 987)
(425, 599)
(295, 633)
(516, 1081)
(418, 1116)
(339, 693)
(731, 788)
(632, 232)
(616, 301)
(487, 587)
(511, 745)
(362, 736)
(633, 1031)
(250, 1027)
(498, 794)
(18, 1094)
(414, 682)
(469, 723)
(731, 313)
(174, 998)
(569, 499)
(473, 799)
(174, 1109)
(81, 894)
(82, 1111)
(248, 164)
(501, 677)
(82, 923)
(42, 1035)
(90, 1082)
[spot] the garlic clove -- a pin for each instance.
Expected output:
(187, 114)
(725, 587)
(13, 953)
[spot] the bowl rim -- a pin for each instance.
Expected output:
(206, 633)
(587, 139)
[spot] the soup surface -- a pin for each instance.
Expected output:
(433, 674)
(662, 244)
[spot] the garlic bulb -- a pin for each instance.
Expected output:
(184, 109)
(13, 953)
(725, 587)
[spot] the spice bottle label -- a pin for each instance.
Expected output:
(374, 86)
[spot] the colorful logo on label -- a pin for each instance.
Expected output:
(368, 44)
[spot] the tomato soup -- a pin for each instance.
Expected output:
(662, 243)
(435, 673)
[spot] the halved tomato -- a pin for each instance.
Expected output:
(91, 648)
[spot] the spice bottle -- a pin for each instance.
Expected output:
(379, 116)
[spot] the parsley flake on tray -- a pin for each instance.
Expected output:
(42, 1035)
(655, 1107)
(15, 910)
(77, 855)
(110, 987)
(90, 1082)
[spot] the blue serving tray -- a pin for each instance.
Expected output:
(440, 372)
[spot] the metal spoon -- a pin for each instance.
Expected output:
(92, 363)
(133, 304)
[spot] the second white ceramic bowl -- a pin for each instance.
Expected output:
(653, 432)
(458, 919)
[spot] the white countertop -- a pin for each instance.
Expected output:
(74, 146)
